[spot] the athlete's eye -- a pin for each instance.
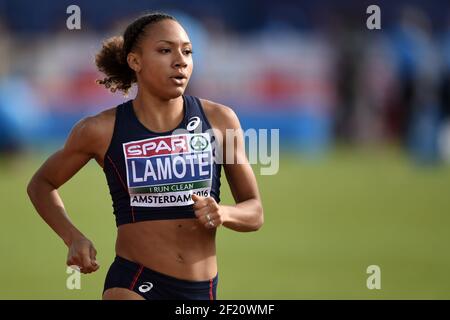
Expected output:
(164, 50)
(188, 52)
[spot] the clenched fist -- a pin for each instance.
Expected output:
(82, 254)
(208, 212)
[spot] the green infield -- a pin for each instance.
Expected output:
(326, 222)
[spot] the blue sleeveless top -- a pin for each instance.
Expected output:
(152, 176)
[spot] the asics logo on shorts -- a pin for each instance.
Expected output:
(146, 287)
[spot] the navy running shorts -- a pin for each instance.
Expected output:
(153, 285)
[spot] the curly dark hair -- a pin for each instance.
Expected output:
(112, 57)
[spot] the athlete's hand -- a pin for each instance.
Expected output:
(82, 254)
(208, 212)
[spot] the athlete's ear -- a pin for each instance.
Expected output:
(134, 61)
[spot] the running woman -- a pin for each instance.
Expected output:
(159, 154)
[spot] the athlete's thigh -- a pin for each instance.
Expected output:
(121, 294)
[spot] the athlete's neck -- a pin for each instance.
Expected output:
(157, 114)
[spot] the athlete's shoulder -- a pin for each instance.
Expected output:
(93, 131)
(105, 118)
(220, 115)
(98, 123)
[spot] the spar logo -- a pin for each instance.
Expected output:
(166, 171)
(156, 146)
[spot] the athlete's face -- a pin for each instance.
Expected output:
(163, 61)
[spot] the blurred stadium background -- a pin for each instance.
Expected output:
(364, 174)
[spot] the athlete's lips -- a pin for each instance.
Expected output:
(179, 78)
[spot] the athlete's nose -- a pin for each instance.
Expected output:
(180, 61)
(180, 64)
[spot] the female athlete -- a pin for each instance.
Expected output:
(159, 152)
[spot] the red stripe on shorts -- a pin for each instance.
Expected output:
(136, 277)
(211, 297)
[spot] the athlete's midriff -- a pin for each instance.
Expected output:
(181, 248)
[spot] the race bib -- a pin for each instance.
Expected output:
(166, 171)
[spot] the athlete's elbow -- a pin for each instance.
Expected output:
(31, 189)
(34, 185)
(259, 219)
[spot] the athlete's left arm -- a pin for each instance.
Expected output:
(247, 214)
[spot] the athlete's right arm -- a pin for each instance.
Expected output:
(57, 169)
